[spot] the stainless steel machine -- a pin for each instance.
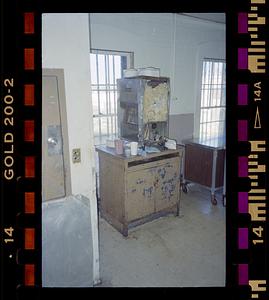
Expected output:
(143, 109)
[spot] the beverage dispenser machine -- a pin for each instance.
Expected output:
(143, 109)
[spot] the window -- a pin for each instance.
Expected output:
(106, 68)
(213, 100)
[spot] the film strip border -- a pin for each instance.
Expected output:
(20, 181)
(251, 167)
(30, 158)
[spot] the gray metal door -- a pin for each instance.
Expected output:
(54, 169)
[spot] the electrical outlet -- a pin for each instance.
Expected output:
(76, 158)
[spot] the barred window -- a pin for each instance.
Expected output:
(213, 100)
(106, 67)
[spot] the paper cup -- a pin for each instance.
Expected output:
(134, 146)
(119, 146)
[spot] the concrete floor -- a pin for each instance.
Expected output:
(66, 243)
(171, 251)
(185, 251)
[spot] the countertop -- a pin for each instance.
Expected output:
(217, 143)
(111, 151)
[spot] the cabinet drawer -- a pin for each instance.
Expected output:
(174, 161)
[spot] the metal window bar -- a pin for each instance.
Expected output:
(110, 131)
(203, 90)
(107, 102)
(98, 93)
(114, 94)
(108, 98)
(211, 79)
(222, 96)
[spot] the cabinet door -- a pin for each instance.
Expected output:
(140, 194)
(167, 184)
(198, 164)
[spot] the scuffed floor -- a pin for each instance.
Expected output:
(171, 251)
(185, 251)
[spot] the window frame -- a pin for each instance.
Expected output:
(197, 125)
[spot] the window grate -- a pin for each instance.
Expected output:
(213, 100)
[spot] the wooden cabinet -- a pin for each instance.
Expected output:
(137, 189)
(204, 163)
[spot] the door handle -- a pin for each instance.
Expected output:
(52, 141)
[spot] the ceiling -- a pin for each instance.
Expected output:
(214, 17)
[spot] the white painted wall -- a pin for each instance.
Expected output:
(168, 41)
(65, 44)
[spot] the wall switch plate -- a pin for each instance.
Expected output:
(76, 158)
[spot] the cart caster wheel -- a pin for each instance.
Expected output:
(214, 200)
(184, 188)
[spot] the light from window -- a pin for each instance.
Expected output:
(213, 100)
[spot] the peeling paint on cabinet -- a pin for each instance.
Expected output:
(140, 191)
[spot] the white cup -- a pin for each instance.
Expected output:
(134, 146)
